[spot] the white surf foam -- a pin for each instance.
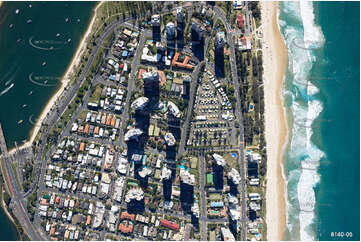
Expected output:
(312, 33)
(304, 155)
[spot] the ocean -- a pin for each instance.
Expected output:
(322, 99)
(36, 45)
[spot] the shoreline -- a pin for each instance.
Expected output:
(65, 80)
(274, 64)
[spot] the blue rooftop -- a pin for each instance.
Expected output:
(216, 204)
(112, 77)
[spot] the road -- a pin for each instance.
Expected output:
(195, 76)
(236, 82)
(131, 82)
(61, 105)
(203, 198)
(17, 203)
(51, 118)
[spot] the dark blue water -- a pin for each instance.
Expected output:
(338, 193)
(25, 47)
(19, 59)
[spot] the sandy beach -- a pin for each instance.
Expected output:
(64, 81)
(274, 63)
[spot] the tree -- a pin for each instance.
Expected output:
(7, 198)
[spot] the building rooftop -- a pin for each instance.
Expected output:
(174, 110)
(219, 159)
(169, 139)
(234, 176)
(220, 39)
(186, 177)
(170, 29)
(139, 103)
(166, 173)
(144, 171)
(195, 210)
(155, 20)
(134, 193)
(227, 235)
(132, 134)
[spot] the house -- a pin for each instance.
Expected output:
(169, 224)
(126, 215)
(125, 229)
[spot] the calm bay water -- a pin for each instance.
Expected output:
(322, 94)
(36, 47)
(34, 57)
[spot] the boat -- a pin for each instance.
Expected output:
(44, 63)
(29, 21)
(69, 40)
(78, 20)
(67, 20)
(20, 121)
(30, 5)
(18, 40)
(11, 25)
(30, 93)
(24, 106)
(46, 82)
(57, 35)
(17, 11)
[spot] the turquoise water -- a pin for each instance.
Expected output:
(25, 47)
(322, 96)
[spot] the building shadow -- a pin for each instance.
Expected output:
(233, 188)
(197, 36)
(156, 33)
(217, 176)
(136, 207)
(186, 196)
(167, 189)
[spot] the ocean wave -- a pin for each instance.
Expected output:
(303, 157)
(7, 89)
(313, 36)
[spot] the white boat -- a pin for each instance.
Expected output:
(67, 20)
(24, 106)
(57, 35)
(30, 5)
(44, 63)
(29, 21)
(20, 121)
(17, 11)
(30, 93)
(11, 25)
